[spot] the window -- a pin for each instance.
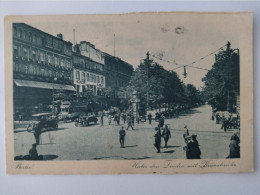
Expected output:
(91, 77)
(102, 80)
(94, 78)
(50, 73)
(83, 77)
(97, 79)
(25, 53)
(62, 62)
(26, 69)
(30, 37)
(57, 75)
(34, 39)
(49, 58)
(19, 33)
(42, 72)
(35, 71)
(77, 75)
(87, 76)
(56, 61)
(42, 56)
(16, 51)
(33, 55)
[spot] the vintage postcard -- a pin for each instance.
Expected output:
(133, 93)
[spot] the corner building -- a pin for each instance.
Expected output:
(88, 73)
(42, 64)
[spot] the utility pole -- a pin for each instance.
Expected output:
(148, 83)
(228, 96)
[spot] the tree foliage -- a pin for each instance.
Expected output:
(222, 81)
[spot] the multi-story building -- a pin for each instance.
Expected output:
(42, 63)
(88, 70)
(118, 72)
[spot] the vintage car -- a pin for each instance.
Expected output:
(86, 120)
(43, 121)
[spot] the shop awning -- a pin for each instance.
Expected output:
(36, 84)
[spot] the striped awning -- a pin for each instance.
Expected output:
(36, 84)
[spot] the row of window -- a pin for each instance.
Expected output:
(40, 40)
(89, 77)
(41, 56)
(40, 71)
(87, 64)
(29, 36)
(115, 83)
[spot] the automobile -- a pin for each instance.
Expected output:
(86, 120)
(43, 121)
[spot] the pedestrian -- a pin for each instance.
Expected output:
(138, 119)
(115, 119)
(186, 133)
(37, 134)
(129, 122)
(124, 117)
(150, 118)
(157, 140)
(234, 148)
(166, 135)
(195, 147)
(217, 118)
(102, 118)
(133, 120)
(118, 118)
(161, 121)
(109, 119)
(122, 134)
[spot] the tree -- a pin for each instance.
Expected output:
(222, 82)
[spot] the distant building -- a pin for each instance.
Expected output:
(88, 72)
(118, 72)
(42, 63)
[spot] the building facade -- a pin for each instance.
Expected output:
(118, 72)
(42, 64)
(88, 74)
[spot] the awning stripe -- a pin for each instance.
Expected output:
(36, 84)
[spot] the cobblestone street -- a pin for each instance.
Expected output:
(102, 142)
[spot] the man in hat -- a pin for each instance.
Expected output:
(166, 135)
(234, 148)
(122, 137)
(157, 139)
(37, 134)
(129, 122)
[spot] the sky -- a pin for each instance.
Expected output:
(178, 37)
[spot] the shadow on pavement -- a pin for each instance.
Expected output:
(46, 144)
(20, 131)
(40, 157)
(131, 146)
(169, 151)
(174, 146)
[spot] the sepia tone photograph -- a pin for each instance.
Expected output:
(134, 88)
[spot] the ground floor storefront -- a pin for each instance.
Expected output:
(30, 97)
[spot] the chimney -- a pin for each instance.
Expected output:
(60, 36)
